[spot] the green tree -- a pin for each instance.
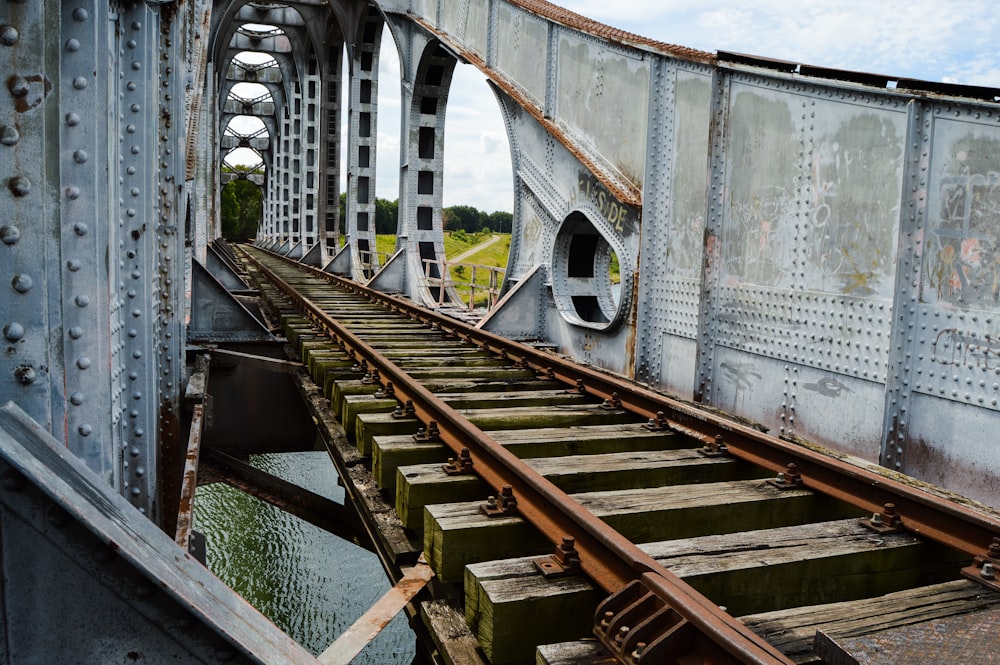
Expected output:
(386, 216)
(501, 221)
(241, 206)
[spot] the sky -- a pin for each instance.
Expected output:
(935, 40)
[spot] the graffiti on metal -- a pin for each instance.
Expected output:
(813, 195)
(963, 258)
(959, 348)
(624, 219)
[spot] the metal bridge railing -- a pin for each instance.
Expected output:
(445, 281)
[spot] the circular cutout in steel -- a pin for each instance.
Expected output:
(587, 284)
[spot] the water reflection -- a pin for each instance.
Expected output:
(311, 584)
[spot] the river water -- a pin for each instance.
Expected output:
(310, 583)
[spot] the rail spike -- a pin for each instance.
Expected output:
(460, 466)
(502, 506)
(986, 566)
(564, 561)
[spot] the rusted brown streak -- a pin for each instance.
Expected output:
(582, 23)
(609, 558)
(939, 519)
(629, 193)
(185, 506)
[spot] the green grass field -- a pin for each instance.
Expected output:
(455, 244)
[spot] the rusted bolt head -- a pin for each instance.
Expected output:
(988, 572)
(889, 509)
(622, 634)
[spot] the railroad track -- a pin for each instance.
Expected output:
(557, 503)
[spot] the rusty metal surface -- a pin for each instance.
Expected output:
(352, 641)
(606, 556)
(935, 516)
(94, 581)
(185, 510)
(970, 639)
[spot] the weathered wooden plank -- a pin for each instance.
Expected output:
(456, 534)
(792, 630)
(423, 484)
(391, 452)
(353, 405)
(747, 571)
(531, 613)
(581, 652)
(450, 634)
(369, 425)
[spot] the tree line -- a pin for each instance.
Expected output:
(454, 218)
(242, 206)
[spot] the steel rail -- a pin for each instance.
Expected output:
(607, 557)
(943, 519)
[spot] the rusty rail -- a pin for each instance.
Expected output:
(608, 558)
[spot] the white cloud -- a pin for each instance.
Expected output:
(926, 39)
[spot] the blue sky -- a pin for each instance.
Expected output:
(935, 40)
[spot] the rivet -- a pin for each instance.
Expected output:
(131, 43)
(22, 283)
(18, 86)
(137, 354)
(135, 491)
(136, 108)
(72, 119)
(133, 375)
(72, 193)
(13, 331)
(8, 35)
(133, 451)
(79, 83)
(74, 265)
(75, 332)
(81, 229)
(135, 150)
(76, 399)
(19, 185)
(80, 14)
(130, 170)
(132, 331)
(130, 212)
(10, 234)
(72, 45)
(9, 135)
(139, 431)
(85, 429)
(25, 375)
(80, 156)
(137, 25)
(140, 471)
(82, 300)
(131, 86)
(83, 362)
